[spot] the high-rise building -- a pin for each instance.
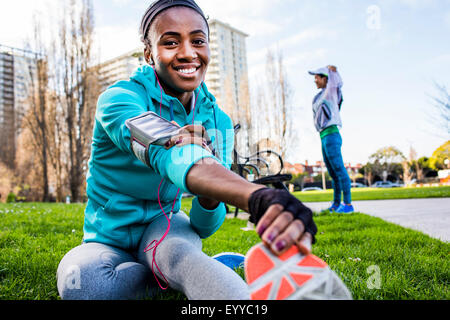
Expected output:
(228, 66)
(120, 68)
(17, 69)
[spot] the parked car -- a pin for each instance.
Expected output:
(398, 185)
(358, 185)
(312, 189)
(385, 184)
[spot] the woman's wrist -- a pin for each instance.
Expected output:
(209, 179)
(207, 203)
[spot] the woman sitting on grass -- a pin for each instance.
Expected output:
(126, 232)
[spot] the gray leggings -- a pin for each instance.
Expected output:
(102, 272)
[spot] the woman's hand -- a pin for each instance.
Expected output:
(279, 231)
(191, 134)
(282, 220)
(332, 68)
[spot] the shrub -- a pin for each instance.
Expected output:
(11, 198)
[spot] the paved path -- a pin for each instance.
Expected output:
(430, 216)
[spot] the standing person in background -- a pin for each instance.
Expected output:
(326, 107)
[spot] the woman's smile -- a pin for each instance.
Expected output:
(186, 71)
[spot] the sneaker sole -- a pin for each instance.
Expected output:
(292, 276)
(342, 212)
(230, 259)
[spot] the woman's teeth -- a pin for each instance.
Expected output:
(187, 71)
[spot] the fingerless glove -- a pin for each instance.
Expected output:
(262, 199)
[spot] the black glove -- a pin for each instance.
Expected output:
(262, 199)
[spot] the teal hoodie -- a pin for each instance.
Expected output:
(122, 191)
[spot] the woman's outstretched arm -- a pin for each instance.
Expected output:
(210, 179)
(276, 226)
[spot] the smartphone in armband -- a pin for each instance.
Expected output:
(149, 129)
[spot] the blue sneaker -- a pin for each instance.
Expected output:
(333, 207)
(345, 208)
(231, 259)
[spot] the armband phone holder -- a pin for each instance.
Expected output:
(149, 129)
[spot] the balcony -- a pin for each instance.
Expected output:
(213, 77)
(6, 58)
(8, 73)
(214, 69)
(7, 96)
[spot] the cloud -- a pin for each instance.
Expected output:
(438, 61)
(247, 8)
(121, 3)
(255, 27)
(290, 48)
(141, 5)
(15, 30)
(416, 4)
(412, 4)
(310, 34)
(447, 19)
(257, 60)
(308, 57)
(114, 41)
(16, 20)
(247, 16)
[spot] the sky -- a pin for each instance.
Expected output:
(390, 53)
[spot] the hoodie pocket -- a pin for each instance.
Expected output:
(124, 206)
(119, 216)
(99, 196)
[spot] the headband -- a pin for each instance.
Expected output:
(160, 5)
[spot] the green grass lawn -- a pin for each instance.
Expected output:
(34, 237)
(377, 194)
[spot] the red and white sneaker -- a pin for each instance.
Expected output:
(292, 276)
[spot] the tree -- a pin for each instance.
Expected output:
(58, 154)
(407, 172)
(35, 120)
(386, 160)
(369, 172)
(438, 159)
(78, 88)
(274, 105)
(6, 181)
(299, 179)
(440, 114)
(28, 179)
(245, 111)
(285, 108)
(229, 105)
(414, 164)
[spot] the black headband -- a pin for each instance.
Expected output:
(158, 6)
